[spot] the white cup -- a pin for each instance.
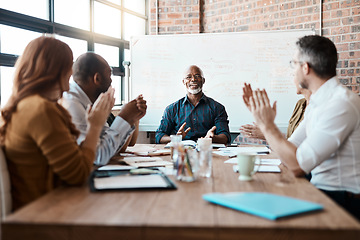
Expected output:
(246, 166)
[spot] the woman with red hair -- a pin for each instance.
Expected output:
(37, 135)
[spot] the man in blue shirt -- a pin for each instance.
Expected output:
(195, 115)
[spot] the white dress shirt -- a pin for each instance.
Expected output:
(328, 139)
(111, 138)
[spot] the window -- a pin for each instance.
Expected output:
(133, 26)
(6, 77)
(135, 5)
(14, 40)
(111, 55)
(107, 20)
(34, 8)
(77, 46)
(68, 12)
(102, 26)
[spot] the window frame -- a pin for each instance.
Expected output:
(49, 26)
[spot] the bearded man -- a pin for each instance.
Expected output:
(195, 115)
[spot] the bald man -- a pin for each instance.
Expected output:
(195, 115)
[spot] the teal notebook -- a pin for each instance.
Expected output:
(266, 205)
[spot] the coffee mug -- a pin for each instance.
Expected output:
(246, 166)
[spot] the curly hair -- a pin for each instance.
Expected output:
(44, 62)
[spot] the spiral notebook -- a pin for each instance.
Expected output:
(266, 205)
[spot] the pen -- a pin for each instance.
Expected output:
(267, 152)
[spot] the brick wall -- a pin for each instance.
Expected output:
(340, 22)
(175, 16)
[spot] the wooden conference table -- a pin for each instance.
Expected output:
(76, 213)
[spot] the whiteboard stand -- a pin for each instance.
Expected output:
(126, 65)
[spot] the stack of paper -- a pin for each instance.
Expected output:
(141, 150)
(265, 165)
(146, 162)
(255, 150)
(227, 151)
(233, 151)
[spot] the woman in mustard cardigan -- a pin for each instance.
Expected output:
(37, 135)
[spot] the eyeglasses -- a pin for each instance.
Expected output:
(196, 77)
(293, 63)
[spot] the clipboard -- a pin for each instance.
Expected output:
(134, 179)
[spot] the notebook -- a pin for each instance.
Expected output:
(266, 205)
(141, 178)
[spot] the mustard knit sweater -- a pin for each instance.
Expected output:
(41, 152)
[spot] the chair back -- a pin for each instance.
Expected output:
(5, 193)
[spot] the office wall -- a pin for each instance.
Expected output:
(338, 20)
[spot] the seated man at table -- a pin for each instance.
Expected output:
(195, 115)
(92, 76)
(327, 141)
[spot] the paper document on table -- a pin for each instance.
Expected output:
(257, 150)
(115, 167)
(268, 168)
(264, 161)
(270, 161)
(123, 182)
(158, 152)
(262, 168)
(227, 151)
(140, 148)
(147, 151)
(146, 162)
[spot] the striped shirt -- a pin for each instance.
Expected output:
(201, 118)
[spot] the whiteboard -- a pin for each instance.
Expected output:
(158, 63)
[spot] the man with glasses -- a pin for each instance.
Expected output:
(92, 76)
(195, 115)
(327, 141)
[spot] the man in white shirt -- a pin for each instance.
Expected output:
(92, 76)
(327, 141)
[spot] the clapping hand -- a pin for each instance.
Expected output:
(247, 93)
(100, 110)
(260, 107)
(141, 105)
(134, 110)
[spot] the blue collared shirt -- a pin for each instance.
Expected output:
(206, 114)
